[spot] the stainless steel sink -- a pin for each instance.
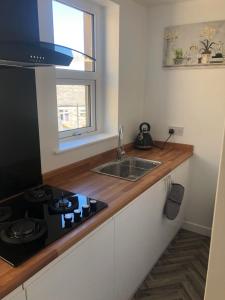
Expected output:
(129, 168)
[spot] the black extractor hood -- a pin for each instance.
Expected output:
(20, 44)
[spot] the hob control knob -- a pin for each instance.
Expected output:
(68, 220)
(77, 216)
(86, 210)
(93, 205)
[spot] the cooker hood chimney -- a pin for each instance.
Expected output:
(20, 44)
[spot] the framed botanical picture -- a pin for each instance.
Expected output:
(200, 44)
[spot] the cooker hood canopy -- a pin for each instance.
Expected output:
(37, 54)
(20, 43)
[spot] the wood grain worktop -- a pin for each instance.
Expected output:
(116, 192)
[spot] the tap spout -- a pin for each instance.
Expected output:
(120, 149)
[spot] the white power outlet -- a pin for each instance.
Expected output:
(177, 130)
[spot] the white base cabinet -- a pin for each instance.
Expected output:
(111, 262)
(142, 233)
(86, 273)
(17, 294)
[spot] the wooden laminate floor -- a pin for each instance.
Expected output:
(180, 273)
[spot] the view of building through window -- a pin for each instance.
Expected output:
(73, 107)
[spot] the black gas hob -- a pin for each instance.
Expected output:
(31, 221)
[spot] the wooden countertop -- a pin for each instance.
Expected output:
(116, 192)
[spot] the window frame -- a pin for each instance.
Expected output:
(91, 78)
(92, 107)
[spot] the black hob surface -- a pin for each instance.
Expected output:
(31, 221)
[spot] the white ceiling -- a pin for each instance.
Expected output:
(157, 2)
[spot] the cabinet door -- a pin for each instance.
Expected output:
(85, 274)
(137, 231)
(17, 294)
(142, 233)
(168, 228)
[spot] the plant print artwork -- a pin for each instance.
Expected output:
(200, 44)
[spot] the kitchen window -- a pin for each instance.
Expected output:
(76, 106)
(75, 27)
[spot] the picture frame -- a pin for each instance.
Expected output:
(194, 45)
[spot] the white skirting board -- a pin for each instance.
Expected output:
(197, 228)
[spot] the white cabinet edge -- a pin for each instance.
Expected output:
(18, 293)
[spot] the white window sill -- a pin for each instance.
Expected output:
(72, 144)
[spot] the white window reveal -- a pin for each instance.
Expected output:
(75, 27)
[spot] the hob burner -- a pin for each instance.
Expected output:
(23, 231)
(64, 205)
(5, 213)
(38, 195)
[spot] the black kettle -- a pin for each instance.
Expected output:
(144, 139)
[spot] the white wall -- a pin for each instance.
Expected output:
(216, 269)
(193, 98)
(132, 75)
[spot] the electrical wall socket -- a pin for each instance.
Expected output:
(177, 130)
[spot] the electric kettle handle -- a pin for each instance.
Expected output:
(144, 124)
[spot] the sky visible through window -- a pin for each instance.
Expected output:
(69, 31)
(68, 26)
